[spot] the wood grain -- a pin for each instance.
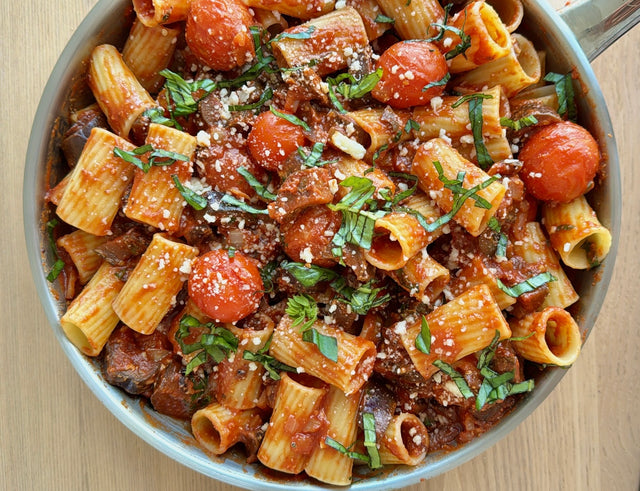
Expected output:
(55, 435)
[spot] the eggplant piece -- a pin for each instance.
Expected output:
(133, 361)
(119, 250)
(77, 135)
(380, 402)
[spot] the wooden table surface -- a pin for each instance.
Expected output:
(55, 434)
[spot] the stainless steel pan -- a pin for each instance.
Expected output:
(572, 39)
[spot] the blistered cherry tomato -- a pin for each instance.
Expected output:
(272, 139)
(560, 162)
(407, 68)
(226, 287)
(221, 163)
(218, 35)
(307, 238)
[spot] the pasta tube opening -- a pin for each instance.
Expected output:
(405, 441)
(551, 337)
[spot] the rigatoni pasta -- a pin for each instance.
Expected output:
(116, 89)
(299, 236)
(90, 319)
(152, 286)
(92, 195)
(576, 233)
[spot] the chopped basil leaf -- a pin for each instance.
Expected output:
(470, 97)
(376, 155)
(156, 157)
(58, 265)
(306, 34)
(357, 224)
(493, 224)
(501, 248)
(254, 71)
(267, 273)
(465, 39)
(362, 189)
(423, 340)
(495, 379)
(196, 201)
(357, 89)
(476, 120)
(369, 427)
(496, 386)
(327, 345)
(216, 344)
(527, 285)
(440, 35)
(56, 269)
(517, 125)
(313, 158)
(402, 195)
(460, 195)
(361, 299)
(156, 115)
(519, 388)
(356, 228)
(330, 442)
(272, 366)
(438, 83)
(475, 117)
(180, 93)
(242, 206)
(309, 275)
(257, 186)
(521, 338)
(487, 354)
(483, 394)
(383, 19)
(302, 309)
(350, 88)
(332, 96)
(291, 118)
(566, 97)
(264, 97)
(459, 380)
(411, 125)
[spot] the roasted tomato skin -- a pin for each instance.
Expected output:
(225, 287)
(218, 34)
(407, 68)
(559, 162)
(309, 235)
(272, 139)
(222, 161)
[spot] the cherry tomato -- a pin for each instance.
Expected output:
(560, 162)
(221, 163)
(407, 68)
(218, 35)
(272, 139)
(307, 238)
(225, 288)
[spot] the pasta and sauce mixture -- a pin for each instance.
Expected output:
(332, 232)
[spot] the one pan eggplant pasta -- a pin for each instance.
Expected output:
(335, 233)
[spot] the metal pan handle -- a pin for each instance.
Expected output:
(597, 24)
